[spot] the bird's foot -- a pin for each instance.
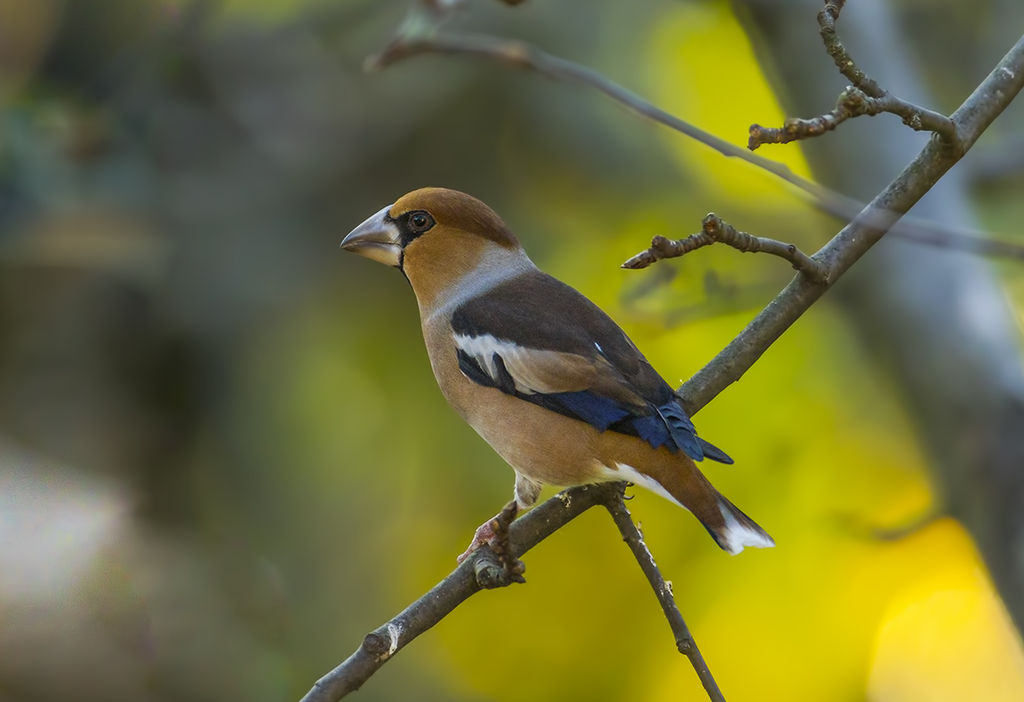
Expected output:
(483, 536)
(494, 533)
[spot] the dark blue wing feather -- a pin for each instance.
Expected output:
(667, 426)
(681, 429)
(713, 452)
(650, 428)
(598, 411)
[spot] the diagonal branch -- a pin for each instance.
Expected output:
(987, 101)
(663, 591)
(483, 570)
(472, 575)
(520, 55)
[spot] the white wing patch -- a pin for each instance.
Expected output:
(529, 368)
(482, 349)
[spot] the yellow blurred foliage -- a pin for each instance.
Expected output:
(945, 636)
(701, 65)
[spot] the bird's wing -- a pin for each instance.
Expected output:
(538, 339)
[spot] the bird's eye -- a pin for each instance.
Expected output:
(420, 222)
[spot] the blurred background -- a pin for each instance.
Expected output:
(223, 457)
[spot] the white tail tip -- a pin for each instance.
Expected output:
(740, 530)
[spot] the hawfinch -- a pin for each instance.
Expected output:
(538, 370)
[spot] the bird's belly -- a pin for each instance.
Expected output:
(540, 444)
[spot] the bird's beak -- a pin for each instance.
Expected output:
(377, 238)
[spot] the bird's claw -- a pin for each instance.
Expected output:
(494, 533)
(483, 536)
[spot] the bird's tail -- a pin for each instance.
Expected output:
(675, 476)
(735, 530)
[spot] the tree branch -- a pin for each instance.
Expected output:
(714, 229)
(484, 570)
(663, 591)
(987, 101)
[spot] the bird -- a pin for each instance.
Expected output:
(546, 377)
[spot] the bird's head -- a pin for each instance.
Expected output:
(437, 237)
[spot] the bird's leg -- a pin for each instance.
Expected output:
(500, 544)
(494, 533)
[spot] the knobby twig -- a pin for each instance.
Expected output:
(484, 570)
(987, 101)
(663, 590)
(864, 97)
(852, 102)
(914, 116)
(844, 62)
(714, 229)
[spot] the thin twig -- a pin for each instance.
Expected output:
(864, 97)
(520, 55)
(914, 116)
(714, 229)
(835, 48)
(986, 103)
(663, 591)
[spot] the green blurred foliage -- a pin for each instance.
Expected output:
(225, 458)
